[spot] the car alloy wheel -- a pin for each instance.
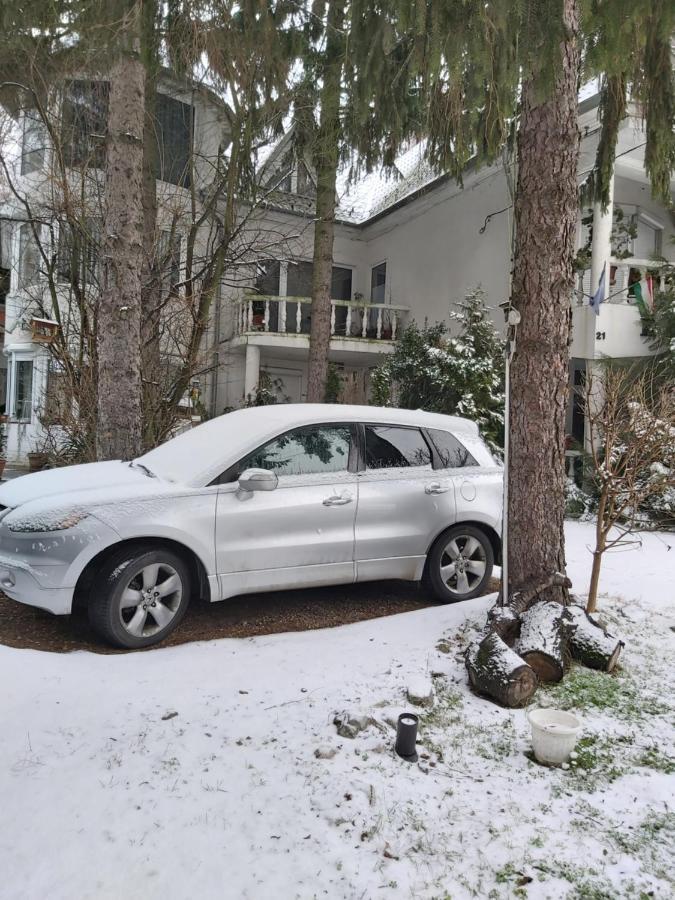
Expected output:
(150, 600)
(462, 564)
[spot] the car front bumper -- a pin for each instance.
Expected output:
(30, 585)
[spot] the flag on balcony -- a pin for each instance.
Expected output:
(644, 294)
(599, 295)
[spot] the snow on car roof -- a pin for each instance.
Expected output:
(197, 456)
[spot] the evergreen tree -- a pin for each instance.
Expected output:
(354, 95)
(461, 375)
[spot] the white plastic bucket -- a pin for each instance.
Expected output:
(554, 735)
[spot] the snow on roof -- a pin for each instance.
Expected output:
(365, 197)
(199, 455)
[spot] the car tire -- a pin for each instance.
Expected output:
(139, 596)
(459, 564)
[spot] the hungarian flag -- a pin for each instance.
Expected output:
(643, 292)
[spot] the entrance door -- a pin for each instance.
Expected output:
(302, 532)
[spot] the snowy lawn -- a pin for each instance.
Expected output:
(191, 771)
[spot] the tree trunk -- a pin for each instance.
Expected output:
(600, 542)
(546, 209)
(496, 671)
(150, 290)
(326, 155)
(119, 315)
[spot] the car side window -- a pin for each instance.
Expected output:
(393, 447)
(312, 450)
(452, 453)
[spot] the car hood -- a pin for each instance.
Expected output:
(78, 485)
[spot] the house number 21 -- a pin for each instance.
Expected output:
(600, 335)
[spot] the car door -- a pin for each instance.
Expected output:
(403, 502)
(302, 532)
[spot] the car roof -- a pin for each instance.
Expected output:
(198, 455)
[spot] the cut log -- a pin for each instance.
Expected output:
(590, 644)
(499, 673)
(504, 622)
(544, 633)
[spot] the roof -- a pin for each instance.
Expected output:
(364, 197)
(199, 455)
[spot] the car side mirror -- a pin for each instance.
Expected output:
(258, 480)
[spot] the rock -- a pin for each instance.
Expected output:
(350, 724)
(325, 752)
(421, 692)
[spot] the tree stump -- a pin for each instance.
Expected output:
(544, 632)
(495, 670)
(590, 644)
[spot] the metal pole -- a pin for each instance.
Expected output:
(505, 503)
(512, 319)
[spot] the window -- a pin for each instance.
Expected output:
(453, 454)
(341, 283)
(299, 279)
(23, 390)
(174, 140)
(34, 143)
(168, 258)
(314, 450)
(393, 447)
(85, 123)
(29, 257)
(378, 279)
(5, 258)
(77, 259)
(267, 277)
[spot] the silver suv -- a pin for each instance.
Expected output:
(273, 497)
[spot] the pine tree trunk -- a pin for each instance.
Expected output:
(326, 154)
(546, 216)
(119, 376)
(150, 290)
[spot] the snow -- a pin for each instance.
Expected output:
(207, 769)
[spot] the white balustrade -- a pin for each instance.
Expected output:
(361, 320)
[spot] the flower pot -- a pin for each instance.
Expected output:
(554, 735)
(37, 461)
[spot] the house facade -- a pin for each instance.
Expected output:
(406, 248)
(412, 248)
(51, 203)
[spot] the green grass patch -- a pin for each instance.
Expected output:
(618, 694)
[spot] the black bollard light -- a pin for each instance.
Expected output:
(406, 736)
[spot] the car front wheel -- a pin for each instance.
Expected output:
(139, 597)
(459, 565)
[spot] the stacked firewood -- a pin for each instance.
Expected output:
(532, 640)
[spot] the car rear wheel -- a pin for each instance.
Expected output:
(139, 597)
(459, 565)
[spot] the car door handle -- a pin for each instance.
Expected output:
(338, 500)
(436, 488)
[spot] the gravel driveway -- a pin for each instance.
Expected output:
(25, 626)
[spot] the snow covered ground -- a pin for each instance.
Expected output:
(191, 771)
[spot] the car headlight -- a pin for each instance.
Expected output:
(39, 523)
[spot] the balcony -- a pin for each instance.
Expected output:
(350, 320)
(618, 329)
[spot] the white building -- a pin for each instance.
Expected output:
(405, 248)
(36, 250)
(413, 247)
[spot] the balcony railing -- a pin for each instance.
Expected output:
(355, 319)
(623, 273)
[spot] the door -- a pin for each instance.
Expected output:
(403, 503)
(302, 532)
